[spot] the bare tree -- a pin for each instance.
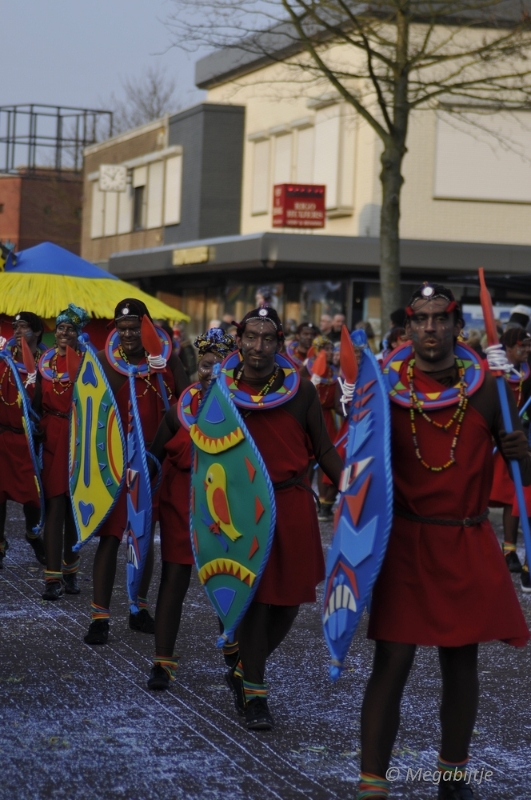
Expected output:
(146, 98)
(386, 58)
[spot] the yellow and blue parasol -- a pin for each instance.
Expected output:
(46, 278)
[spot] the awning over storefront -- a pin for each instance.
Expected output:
(296, 254)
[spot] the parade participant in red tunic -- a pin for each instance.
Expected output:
(326, 386)
(17, 481)
(152, 397)
(284, 434)
(443, 581)
(172, 447)
(53, 399)
(297, 350)
(517, 344)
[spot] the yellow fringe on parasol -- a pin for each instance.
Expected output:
(47, 295)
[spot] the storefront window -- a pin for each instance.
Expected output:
(322, 297)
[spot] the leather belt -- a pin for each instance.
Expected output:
(467, 522)
(4, 428)
(299, 480)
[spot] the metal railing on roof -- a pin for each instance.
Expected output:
(36, 138)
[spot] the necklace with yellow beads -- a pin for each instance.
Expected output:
(457, 417)
(147, 380)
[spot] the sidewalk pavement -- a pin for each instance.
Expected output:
(79, 722)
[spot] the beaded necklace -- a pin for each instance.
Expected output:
(523, 375)
(232, 367)
(457, 416)
(60, 380)
(9, 379)
(146, 377)
(265, 389)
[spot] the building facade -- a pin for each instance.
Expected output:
(466, 201)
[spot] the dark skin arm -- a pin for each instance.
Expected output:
(166, 431)
(36, 403)
(179, 374)
(325, 453)
(514, 445)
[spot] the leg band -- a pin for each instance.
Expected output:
(452, 771)
(372, 786)
(254, 690)
(168, 664)
(230, 648)
(71, 569)
(142, 603)
(98, 612)
(52, 577)
(238, 670)
(508, 547)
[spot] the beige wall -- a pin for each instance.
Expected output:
(273, 99)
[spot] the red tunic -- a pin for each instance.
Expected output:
(56, 400)
(327, 397)
(442, 585)
(174, 500)
(296, 563)
(502, 491)
(17, 481)
(151, 409)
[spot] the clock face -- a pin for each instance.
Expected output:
(113, 178)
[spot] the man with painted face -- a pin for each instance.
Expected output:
(17, 481)
(443, 582)
(53, 401)
(123, 348)
(297, 350)
(282, 427)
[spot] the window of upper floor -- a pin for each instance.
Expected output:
(152, 198)
(318, 149)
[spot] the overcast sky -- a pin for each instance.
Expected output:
(75, 52)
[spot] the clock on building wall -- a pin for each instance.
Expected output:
(113, 178)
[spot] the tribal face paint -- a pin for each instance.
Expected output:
(432, 329)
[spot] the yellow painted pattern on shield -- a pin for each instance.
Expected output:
(96, 466)
(226, 566)
(210, 445)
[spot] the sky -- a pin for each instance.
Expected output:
(77, 52)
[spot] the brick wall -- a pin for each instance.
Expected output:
(39, 209)
(10, 208)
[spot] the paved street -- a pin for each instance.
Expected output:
(78, 722)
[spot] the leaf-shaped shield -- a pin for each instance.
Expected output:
(97, 462)
(364, 516)
(232, 514)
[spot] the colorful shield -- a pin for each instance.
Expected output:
(139, 499)
(232, 516)
(29, 420)
(363, 520)
(97, 462)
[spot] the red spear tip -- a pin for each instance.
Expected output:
(27, 357)
(348, 361)
(72, 362)
(150, 338)
(320, 366)
(488, 313)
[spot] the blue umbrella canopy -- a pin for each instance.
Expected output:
(46, 278)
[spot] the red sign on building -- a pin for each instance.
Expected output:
(299, 205)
